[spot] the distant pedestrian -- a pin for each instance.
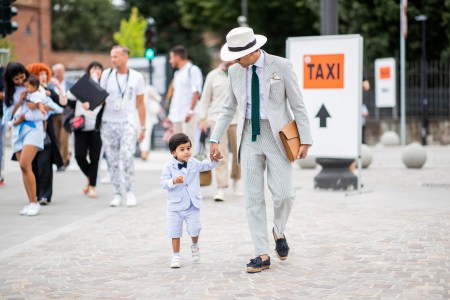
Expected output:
(50, 155)
(215, 92)
(364, 110)
(2, 128)
(126, 89)
(28, 139)
(187, 87)
(265, 93)
(182, 181)
(153, 107)
(61, 85)
(88, 142)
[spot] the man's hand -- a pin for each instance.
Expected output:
(214, 152)
(188, 117)
(303, 151)
(202, 125)
(86, 105)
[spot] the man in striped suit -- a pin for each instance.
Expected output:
(265, 94)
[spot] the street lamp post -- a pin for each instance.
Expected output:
(423, 81)
(243, 18)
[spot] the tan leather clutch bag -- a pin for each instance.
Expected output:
(291, 140)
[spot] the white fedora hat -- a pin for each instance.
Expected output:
(240, 42)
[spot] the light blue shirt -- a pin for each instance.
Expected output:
(262, 99)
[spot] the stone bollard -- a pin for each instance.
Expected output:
(414, 156)
(366, 156)
(308, 163)
(390, 138)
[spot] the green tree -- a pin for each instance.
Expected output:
(83, 25)
(171, 32)
(131, 33)
(277, 19)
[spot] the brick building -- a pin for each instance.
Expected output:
(32, 41)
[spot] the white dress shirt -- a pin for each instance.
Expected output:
(262, 99)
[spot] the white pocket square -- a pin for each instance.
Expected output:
(275, 77)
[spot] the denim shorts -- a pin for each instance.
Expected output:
(28, 136)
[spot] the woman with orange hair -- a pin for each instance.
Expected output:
(42, 163)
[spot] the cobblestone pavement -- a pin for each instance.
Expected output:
(389, 242)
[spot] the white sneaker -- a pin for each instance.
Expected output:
(131, 199)
(116, 201)
(33, 209)
(236, 190)
(106, 180)
(175, 262)
(220, 195)
(195, 253)
(24, 210)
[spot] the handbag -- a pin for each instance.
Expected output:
(67, 116)
(205, 176)
(291, 140)
(77, 123)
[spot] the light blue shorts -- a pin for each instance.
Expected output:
(175, 222)
(28, 136)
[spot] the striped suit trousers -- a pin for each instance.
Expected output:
(255, 158)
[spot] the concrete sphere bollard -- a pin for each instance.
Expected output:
(309, 162)
(414, 156)
(366, 156)
(390, 138)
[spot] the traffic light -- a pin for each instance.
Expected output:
(7, 12)
(150, 39)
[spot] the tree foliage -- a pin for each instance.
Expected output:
(131, 33)
(83, 25)
(377, 21)
(171, 32)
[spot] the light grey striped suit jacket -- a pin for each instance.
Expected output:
(283, 99)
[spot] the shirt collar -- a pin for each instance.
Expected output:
(260, 62)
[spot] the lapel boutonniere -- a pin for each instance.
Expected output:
(275, 76)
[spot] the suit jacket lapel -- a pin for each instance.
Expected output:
(268, 71)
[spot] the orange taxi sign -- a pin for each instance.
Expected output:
(385, 72)
(323, 71)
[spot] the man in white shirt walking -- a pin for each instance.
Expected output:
(126, 97)
(187, 87)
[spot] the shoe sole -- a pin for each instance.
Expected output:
(254, 270)
(218, 200)
(280, 257)
(266, 267)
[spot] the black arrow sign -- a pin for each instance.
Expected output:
(323, 115)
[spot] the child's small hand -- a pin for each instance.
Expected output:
(178, 180)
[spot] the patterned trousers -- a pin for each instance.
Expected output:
(119, 143)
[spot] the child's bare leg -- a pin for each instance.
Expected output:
(176, 245)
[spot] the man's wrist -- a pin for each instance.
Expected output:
(213, 141)
(143, 128)
(190, 112)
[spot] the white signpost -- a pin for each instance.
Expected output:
(385, 82)
(329, 69)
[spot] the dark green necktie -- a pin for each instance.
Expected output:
(255, 104)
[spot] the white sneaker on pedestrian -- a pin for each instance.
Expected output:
(236, 190)
(24, 210)
(195, 253)
(131, 199)
(220, 195)
(175, 262)
(33, 209)
(116, 201)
